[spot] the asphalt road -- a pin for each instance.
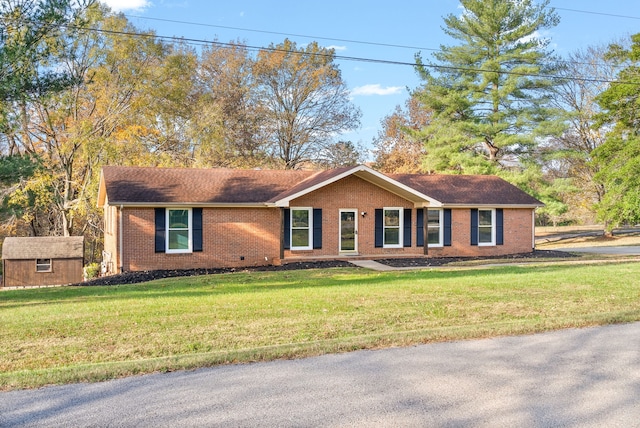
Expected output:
(585, 377)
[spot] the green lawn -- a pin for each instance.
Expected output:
(71, 334)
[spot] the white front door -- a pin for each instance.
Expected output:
(348, 231)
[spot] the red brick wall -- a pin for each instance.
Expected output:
(353, 192)
(228, 235)
(518, 235)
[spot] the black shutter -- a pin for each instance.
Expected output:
(406, 239)
(447, 227)
(474, 226)
(161, 232)
(317, 228)
(499, 227)
(287, 229)
(379, 231)
(420, 228)
(196, 233)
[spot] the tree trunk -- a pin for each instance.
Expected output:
(492, 149)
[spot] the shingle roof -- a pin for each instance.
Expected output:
(43, 247)
(313, 180)
(467, 189)
(140, 185)
(205, 186)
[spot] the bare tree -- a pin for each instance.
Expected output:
(306, 100)
(230, 123)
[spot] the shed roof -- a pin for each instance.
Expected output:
(43, 247)
(148, 186)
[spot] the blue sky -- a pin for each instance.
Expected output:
(361, 29)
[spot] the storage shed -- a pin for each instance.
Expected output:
(47, 260)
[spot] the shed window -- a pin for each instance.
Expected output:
(43, 265)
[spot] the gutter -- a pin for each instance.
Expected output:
(194, 204)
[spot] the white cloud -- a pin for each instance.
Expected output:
(535, 35)
(337, 48)
(122, 5)
(376, 89)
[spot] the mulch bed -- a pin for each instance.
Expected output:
(144, 276)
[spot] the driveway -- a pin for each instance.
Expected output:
(630, 250)
(579, 377)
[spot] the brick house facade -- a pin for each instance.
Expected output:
(157, 218)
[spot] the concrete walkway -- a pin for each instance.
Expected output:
(373, 265)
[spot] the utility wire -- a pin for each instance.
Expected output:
(391, 45)
(332, 39)
(200, 42)
(596, 13)
(277, 33)
(349, 58)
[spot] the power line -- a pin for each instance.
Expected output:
(349, 58)
(596, 13)
(332, 39)
(391, 45)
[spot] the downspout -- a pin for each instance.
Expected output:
(281, 234)
(425, 230)
(120, 244)
(533, 229)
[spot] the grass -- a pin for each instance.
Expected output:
(74, 334)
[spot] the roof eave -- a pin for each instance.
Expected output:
(102, 191)
(466, 205)
(191, 204)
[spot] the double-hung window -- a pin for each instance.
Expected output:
(301, 228)
(179, 230)
(434, 228)
(486, 227)
(392, 227)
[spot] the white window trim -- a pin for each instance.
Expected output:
(310, 238)
(493, 229)
(347, 210)
(167, 230)
(49, 264)
(400, 227)
(441, 227)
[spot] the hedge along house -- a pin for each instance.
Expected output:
(166, 218)
(46, 260)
